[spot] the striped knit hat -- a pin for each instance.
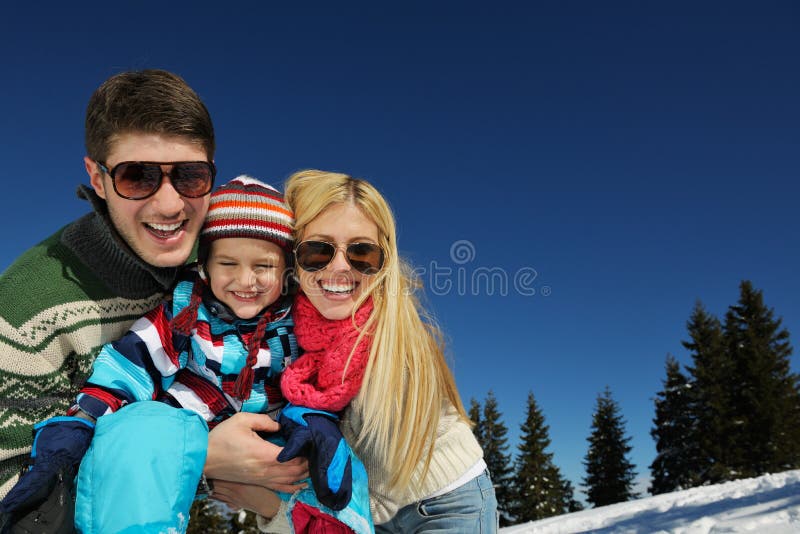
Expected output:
(246, 207)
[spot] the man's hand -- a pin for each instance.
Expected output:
(237, 454)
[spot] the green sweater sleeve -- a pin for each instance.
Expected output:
(55, 315)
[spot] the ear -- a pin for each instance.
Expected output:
(202, 272)
(95, 176)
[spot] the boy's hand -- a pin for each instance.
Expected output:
(316, 434)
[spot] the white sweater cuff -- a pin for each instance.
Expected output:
(277, 524)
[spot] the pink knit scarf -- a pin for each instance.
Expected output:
(314, 380)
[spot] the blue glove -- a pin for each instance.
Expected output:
(59, 444)
(316, 435)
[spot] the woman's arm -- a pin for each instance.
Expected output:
(256, 499)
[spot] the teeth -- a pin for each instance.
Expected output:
(165, 227)
(337, 288)
(244, 295)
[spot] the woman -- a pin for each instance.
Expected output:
(406, 422)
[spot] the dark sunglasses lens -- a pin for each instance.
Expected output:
(192, 179)
(136, 180)
(365, 258)
(314, 255)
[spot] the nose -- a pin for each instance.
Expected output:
(246, 277)
(339, 261)
(168, 201)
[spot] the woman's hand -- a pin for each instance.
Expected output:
(237, 454)
(256, 499)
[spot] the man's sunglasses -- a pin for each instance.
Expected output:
(137, 180)
(366, 258)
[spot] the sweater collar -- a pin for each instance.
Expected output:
(97, 244)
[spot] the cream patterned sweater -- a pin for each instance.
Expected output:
(59, 303)
(456, 450)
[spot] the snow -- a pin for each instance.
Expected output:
(767, 504)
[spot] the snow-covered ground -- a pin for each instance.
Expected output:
(769, 504)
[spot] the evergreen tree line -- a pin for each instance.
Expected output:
(530, 486)
(735, 413)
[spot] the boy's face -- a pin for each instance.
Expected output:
(160, 229)
(245, 274)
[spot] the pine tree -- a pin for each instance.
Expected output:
(539, 486)
(609, 472)
(568, 503)
(674, 466)
(477, 424)
(712, 382)
(212, 517)
(495, 451)
(206, 518)
(766, 399)
(243, 522)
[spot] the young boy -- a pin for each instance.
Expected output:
(227, 324)
(216, 347)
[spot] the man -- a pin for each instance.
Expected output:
(86, 284)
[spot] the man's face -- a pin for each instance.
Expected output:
(161, 229)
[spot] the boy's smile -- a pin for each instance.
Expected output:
(245, 274)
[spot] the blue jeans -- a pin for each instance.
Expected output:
(468, 509)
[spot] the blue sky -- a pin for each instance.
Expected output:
(618, 160)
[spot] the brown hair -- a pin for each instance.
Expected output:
(147, 101)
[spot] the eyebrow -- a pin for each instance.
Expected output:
(270, 256)
(330, 239)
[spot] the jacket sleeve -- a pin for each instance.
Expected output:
(136, 367)
(58, 447)
(277, 524)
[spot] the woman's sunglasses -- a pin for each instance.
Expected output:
(137, 180)
(366, 258)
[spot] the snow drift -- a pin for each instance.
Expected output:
(768, 504)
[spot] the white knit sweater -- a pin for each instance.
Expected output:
(456, 450)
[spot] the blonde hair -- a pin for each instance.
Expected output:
(407, 380)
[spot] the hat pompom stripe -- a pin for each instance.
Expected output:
(252, 196)
(230, 209)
